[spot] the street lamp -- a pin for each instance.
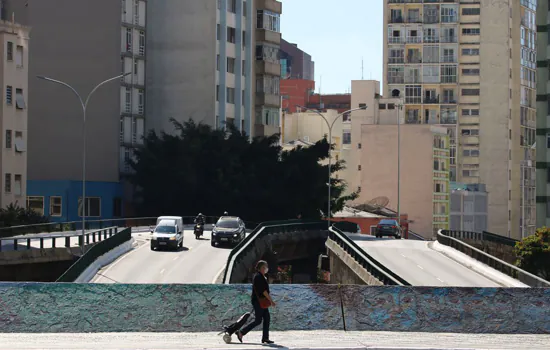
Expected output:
(330, 125)
(84, 105)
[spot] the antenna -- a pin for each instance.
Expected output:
(320, 96)
(362, 70)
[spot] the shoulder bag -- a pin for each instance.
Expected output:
(263, 301)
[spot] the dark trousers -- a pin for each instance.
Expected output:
(259, 316)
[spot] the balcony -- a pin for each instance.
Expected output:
(268, 100)
(449, 38)
(448, 100)
(414, 40)
(268, 36)
(414, 19)
(414, 58)
(431, 100)
(412, 120)
(396, 40)
(264, 67)
(449, 121)
(431, 19)
(270, 5)
(396, 80)
(397, 19)
(396, 60)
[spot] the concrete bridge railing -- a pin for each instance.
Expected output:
(446, 237)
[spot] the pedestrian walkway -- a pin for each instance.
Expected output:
(286, 340)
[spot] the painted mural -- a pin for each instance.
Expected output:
(36, 307)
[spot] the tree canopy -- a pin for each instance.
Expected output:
(533, 253)
(201, 169)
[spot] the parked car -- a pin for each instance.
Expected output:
(388, 227)
(228, 229)
(167, 234)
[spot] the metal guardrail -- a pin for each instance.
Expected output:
(375, 268)
(523, 276)
(263, 229)
(90, 237)
(94, 253)
(482, 237)
(415, 236)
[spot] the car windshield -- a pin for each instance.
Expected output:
(388, 222)
(166, 229)
(228, 224)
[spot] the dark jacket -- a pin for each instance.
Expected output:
(259, 286)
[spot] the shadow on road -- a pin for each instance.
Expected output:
(182, 249)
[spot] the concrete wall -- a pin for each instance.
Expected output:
(66, 308)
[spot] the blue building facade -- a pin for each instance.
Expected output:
(61, 199)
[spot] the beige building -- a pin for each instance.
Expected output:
(15, 78)
(470, 65)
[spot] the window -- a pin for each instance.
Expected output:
(244, 39)
(470, 11)
(19, 56)
(9, 51)
(244, 68)
(448, 74)
(56, 206)
(468, 112)
(231, 95)
(413, 94)
(470, 153)
(36, 204)
(19, 143)
(218, 62)
(359, 167)
(136, 12)
(470, 71)
(346, 138)
(9, 92)
(219, 4)
(244, 8)
(470, 31)
(267, 53)
(117, 207)
(547, 140)
(128, 39)
(232, 6)
(218, 32)
(230, 65)
(19, 99)
(141, 101)
(135, 66)
(268, 20)
(217, 92)
(230, 35)
(268, 84)
(128, 101)
(18, 185)
(470, 132)
(359, 146)
(7, 183)
(142, 43)
(470, 92)
(470, 52)
(436, 165)
(242, 97)
(362, 105)
(93, 206)
(548, 175)
(8, 138)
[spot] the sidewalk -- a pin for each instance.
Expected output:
(286, 340)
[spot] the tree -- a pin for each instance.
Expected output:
(533, 253)
(14, 215)
(200, 169)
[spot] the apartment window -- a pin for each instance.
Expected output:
(19, 143)
(470, 71)
(141, 101)
(217, 92)
(548, 175)
(219, 4)
(18, 190)
(36, 204)
(436, 165)
(470, 153)
(472, 112)
(232, 6)
(136, 12)
(230, 95)
(359, 167)
(93, 206)
(547, 140)
(413, 94)
(470, 132)
(230, 35)
(128, 101)
(128, 39)
(470, 92)
(218, 62)
(391, 105)
(56, 207)
(268, 20)
(359, 146)
(8, 138)
(19, 99)
(470, 31)
(244, 68)
(244, 8)
(448, 73)
(230, 65)
(7, 183)
(9, 51)
(142, 43)
(470, 52)
(268, 84)
(136, 66)
(242, 97)
(244, 39)
(218, 32)
(471, 11)
(19, 56)
(9, 91)
(117, 207)
(346, 138)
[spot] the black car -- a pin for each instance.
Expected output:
(228, 229)
(388, 227)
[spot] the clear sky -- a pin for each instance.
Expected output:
(337, 34)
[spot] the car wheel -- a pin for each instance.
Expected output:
(212, 243)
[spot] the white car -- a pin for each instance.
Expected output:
(167, 234)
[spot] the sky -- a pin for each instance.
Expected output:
(337, 34)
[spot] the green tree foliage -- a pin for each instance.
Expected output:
(200, 169)
(14, 215)
(533, 253)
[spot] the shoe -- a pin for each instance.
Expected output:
(267, 341)
(240, 336)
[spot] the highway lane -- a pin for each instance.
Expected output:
(420, 265)
(196, 262)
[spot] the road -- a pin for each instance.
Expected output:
(196, 262)
(420, 265)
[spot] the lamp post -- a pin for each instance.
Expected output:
(84, 104)
(330, 125)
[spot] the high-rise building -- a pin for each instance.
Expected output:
(295, 63)
(470, 65)
(14, 74)
(215, 62)
(82, 43)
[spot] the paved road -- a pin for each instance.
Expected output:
(286, 340)
(196, 262)
(420, 265)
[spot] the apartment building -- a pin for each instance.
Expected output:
(470, 66)
(468, 207)
(296, 63)
(14, 73)
(204, 63)
(72, 46)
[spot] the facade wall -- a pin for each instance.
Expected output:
(295, 92)
(297, 62)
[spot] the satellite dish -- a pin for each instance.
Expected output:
(379, 202)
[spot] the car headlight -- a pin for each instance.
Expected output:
(173, 238)
(235, 235)
(213, 233)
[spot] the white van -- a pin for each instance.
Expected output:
(178, 221)
(167, 233)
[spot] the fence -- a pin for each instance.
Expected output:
(44, 239)
(481, 237)
(445, 237)
(94, 253)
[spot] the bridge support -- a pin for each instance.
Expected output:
(344, 269)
